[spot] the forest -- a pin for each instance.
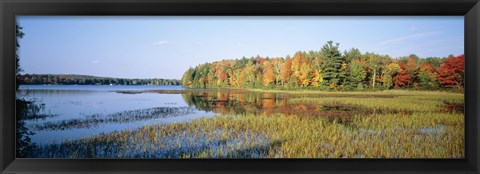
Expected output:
(69, 79)
(331, 69)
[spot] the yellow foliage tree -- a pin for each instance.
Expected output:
(268, 75)
(317, 78)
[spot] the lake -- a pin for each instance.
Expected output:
(64, 103)
(67, 112)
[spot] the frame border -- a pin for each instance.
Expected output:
(470, 9)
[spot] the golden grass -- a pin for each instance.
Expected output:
(382, 92)
(415, 101)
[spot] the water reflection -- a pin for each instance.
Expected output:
(240, 102)
(235, 101)
(69, 112)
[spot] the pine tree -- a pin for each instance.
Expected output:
(332, 63)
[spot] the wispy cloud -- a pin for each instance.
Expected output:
(412, 36)
(162, 42)
(413, 28)
(95, 61)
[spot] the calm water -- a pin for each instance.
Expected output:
(69, 104)
(67, 112)
(59, 113)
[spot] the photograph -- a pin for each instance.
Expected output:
(240, 87)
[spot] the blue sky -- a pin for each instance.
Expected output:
(164, 47)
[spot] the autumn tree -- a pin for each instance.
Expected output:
(268, 75)
(317, 78)
(187, 79)
(326, 68)
(277, 68)
(231, 73)
(258, 72)
(305, 74)
(451, 72)
(297, 62)
(374, 65)
(249, 74)
(412, 70)
(401, 78)
(212, 78)
(392, 70)
(286, 71)
(221, 73)
(427, 76)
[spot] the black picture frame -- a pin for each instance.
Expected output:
(470, 9)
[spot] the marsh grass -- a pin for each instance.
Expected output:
(95, 120)
(414, 103)
(408, 125)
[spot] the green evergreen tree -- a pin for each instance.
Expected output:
(332, 63)
(351, 54)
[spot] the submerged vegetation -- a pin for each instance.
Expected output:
(95, 120)
(401, 124)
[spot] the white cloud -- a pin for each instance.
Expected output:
(403, 38)
(95, 61)
(413, 28)
(162, 42)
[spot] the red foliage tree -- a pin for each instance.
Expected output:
(402, 78)
(451, 72)
(412, 70)
(223, 76)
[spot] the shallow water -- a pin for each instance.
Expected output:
(68, 102)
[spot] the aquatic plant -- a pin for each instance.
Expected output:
(94, 120)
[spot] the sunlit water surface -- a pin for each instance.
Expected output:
(84, 102)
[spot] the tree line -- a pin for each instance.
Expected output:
(71, 79)
(330, 69)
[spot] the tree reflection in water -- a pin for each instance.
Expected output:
(235, 101)
(241, 102)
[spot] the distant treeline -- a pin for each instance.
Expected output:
(72, 79)
(330, 69)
